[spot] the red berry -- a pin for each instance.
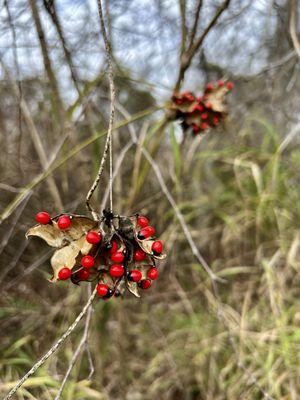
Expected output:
(116, 270)
(209, 86)
(215, 120)
(93, 237)
(43, 218)
(152, 273)
(64, 273)
(64, 222)
(220, 83)
(117, 257)
(157, 247)
(196, 128)
(178, 101)
(83, 274)
(102, 289)
(146, 232)
(112, 247)
(135, 275)
(142, 221)
(208, 104)
(139, 255)
(204, 126)
(145, 283)
(204, 116)
(188, 96)
(198, 107)
(88, 261)
(229, 85)
(199, 99)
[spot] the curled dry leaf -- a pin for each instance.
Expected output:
(56, 237)
(146, 245)
(216, 98)
(69, 255)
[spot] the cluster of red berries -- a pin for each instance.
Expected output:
(203, 112)
(120, 254)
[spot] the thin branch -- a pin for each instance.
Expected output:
(187, 56)
(108, 143)
(184, 29)
(54, 348)
(58, 106)
(82, 343)
(196, 20)
(293, 27)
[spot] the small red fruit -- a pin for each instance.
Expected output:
(204, 116)
(117, 257)
(146, 232)
(135, 275)
(145, 283)
(157, 247)
(116, 270)
(43, 218)
(199, 99)
(220, 83)
(64, 273)
(93, 237)
(208, 104)
(64, 222)
(204, 126)
(198, 107)
(139, 255)
(215, 120)
(88, 261)
(152, 273)
(196, 128)
(102, 289)
(178, 101)
(210, 86)
(83, 274)
(112, 247)
(229, 85)
(142, 221)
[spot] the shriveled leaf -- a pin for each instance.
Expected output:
(146, 245)
(133, 288)
(217, 99)
(56, 237)
(67, 255)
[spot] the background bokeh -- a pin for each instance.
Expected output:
(237, 187)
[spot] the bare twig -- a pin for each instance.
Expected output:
(184, 30)
(293, 27)
(108, 143)
(82, 343)
(58, 106)
(54, 348)
(196, 20)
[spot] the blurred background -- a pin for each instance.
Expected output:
(236, 186)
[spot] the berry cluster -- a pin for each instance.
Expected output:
(203, 112)
(117, 252)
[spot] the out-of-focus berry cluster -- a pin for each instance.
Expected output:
(201, 113)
